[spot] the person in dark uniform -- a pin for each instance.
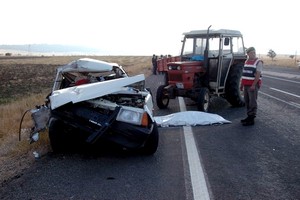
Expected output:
(154, 64)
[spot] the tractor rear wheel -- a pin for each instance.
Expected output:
(162, 100)
(232, 90)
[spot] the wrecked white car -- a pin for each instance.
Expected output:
(93, 101)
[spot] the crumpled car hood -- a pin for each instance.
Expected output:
(90, 91)
(87, 65)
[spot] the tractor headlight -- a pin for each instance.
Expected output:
(133, 116)
(174, 67)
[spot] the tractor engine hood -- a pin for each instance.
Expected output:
(187, 65)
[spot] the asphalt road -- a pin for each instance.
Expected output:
(256, 162)
(261, 161)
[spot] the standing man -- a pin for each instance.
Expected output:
(251, 82)
(154, 64)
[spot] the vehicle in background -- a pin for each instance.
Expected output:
(211, 63)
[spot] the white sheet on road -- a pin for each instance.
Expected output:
(190, 118)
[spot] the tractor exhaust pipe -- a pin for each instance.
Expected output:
(206, 64)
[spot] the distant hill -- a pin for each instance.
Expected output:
(50, 49)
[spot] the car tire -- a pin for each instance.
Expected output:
(150, 146)
(56, 136)
(162, 100)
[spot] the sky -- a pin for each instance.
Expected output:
(144, 27)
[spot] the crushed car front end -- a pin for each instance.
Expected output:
(108, 106)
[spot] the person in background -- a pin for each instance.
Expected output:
(154, 64)
(251, 82)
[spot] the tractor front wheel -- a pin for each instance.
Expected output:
(203, 100)
(162, 99)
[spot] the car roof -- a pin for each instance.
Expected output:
(220, 32)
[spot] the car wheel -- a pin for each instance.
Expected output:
(151, 144)
(162, 100)
(57, 136)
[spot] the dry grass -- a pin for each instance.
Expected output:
(17, 155)
(280, 60)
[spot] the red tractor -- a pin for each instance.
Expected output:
(211, 63)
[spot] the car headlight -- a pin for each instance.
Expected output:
(133, 116)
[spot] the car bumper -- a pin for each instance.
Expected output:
(127, 135)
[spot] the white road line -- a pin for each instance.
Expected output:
(297, 82)
(199, 186)
(289, 103)
(295, 104)
(285, 92)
